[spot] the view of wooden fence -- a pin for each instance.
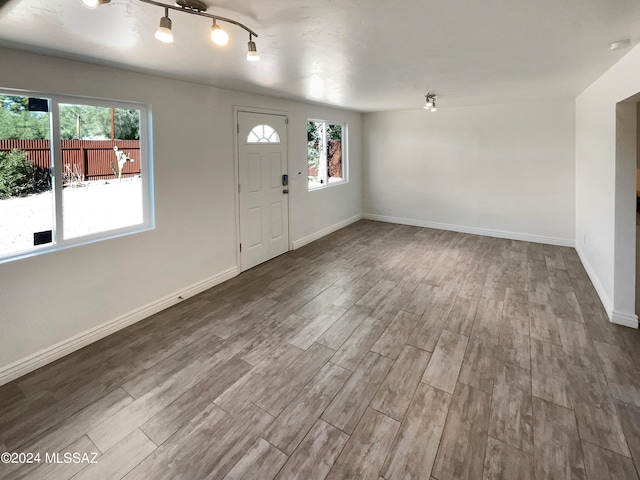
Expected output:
(90, 159)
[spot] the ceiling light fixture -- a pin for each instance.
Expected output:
(164, 33)
(193, 7)
(252, 52)
(430, 102)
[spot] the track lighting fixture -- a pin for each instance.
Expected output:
(164, 33)
(252, 52)
(193, 7)
(430, 102)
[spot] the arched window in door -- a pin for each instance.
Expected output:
(263, 134)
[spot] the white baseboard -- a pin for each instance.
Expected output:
(325, 231)
(59, 350)
(624, 319)
(563, 242)
(604, 298)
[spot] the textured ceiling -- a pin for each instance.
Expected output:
(366, 55)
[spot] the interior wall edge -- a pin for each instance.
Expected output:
(54, 352)
(526, 237)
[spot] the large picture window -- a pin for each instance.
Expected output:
(72, 170)
(326, 153)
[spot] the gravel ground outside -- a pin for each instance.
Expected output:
(93, 207)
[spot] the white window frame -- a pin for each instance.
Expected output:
(146, 176)
(324, 162)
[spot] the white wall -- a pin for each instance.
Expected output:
(503, 170)
(599, 187)
(48, 300)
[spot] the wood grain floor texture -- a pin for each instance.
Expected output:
(378, 352)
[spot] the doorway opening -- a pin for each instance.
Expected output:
(625, 299)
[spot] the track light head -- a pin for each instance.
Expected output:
(218, 35)
(164, 33)
(93, 3)
(252, 52)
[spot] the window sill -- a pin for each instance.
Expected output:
(327, 185)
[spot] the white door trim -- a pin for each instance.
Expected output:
(236, 169)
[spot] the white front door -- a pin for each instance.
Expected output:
(264, 205)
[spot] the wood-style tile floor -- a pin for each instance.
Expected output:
(378, 352)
